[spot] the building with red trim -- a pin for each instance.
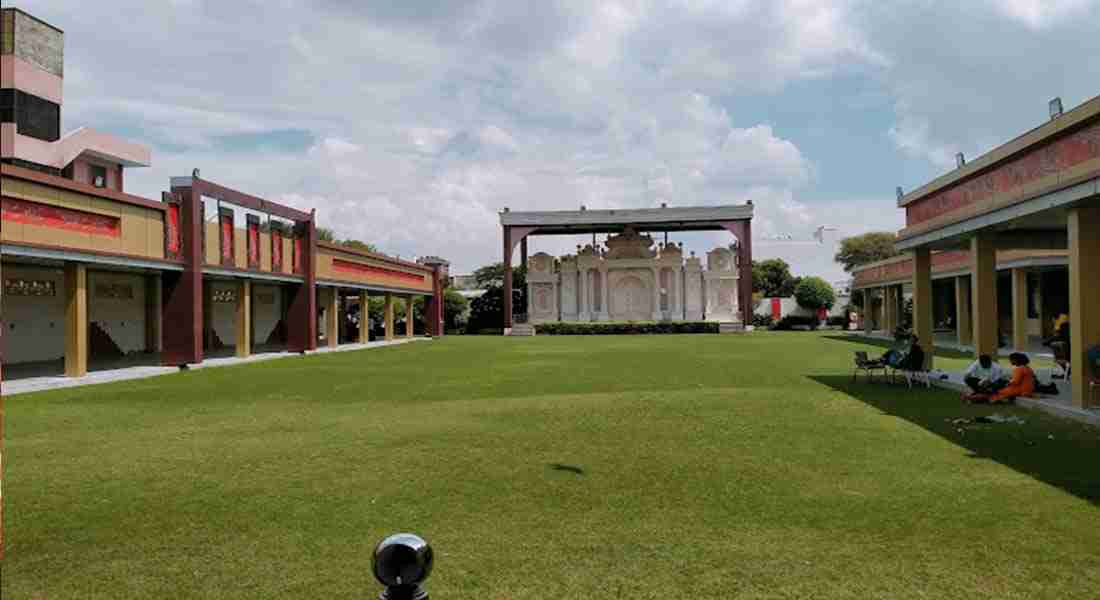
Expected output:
(92, 274)
(1003, 247)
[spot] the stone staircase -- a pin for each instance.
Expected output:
(730, 328)
(523, 329)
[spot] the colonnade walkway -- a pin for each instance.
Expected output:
(121, 371)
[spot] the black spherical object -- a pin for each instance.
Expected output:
(401, 563)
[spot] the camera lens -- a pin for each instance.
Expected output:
(402, 560)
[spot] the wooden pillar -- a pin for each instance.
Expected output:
(962, 310)
(1084, 289)
(1019, 309)
(332, 318)
(364, 317)
(76, 320)
(244, 318)
(389, 317)
(922, 301)
(983, 294)
(410, 329)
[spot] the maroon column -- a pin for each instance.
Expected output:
(182, 295)
(743, 231)
(436, 312)
(302, 313)
(507, 278)
(745, 287)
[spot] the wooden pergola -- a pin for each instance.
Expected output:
(737, 219)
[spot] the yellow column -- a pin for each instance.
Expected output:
(389, 317)
(891, 312)
(922, 301)
(76, 320)
(983, 294)
(868, 310)
(1084, 289)
(1019, 309)
(962, 306)
(409, 328)
(364, 318)
(244, 319)
(332, 318)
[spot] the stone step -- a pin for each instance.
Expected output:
(524, 329)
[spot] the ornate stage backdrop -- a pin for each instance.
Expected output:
(631, 279)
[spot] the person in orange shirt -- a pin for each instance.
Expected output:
(1022, 383)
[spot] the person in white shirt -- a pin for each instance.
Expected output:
(985, 376)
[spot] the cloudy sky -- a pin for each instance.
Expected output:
(411, 124)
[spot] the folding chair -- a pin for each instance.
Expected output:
(868, 366)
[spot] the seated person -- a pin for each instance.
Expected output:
(914, 359)
(985, 376)
(1022, 384)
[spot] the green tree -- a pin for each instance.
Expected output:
(325, 234)
(359, 245)
(493, 274)
(772, 278)
(867, 248)
(454, 310)
(814, 293)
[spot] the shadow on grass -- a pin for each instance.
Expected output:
(567, 468)
(884, 344)
(1057, 451)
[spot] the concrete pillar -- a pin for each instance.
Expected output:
(332, 318)
(507, 283)
(364, 317)
(244, 318)
(76, 320)
(962, 309)
(207, 316)
(389, 317)
(983, 294)
(922, 301)
(1084, 289)
(889, 310)
(1019, 309)
(154, 302)
(868, 310)
(410, 329)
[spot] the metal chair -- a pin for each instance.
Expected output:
(868, 366)
(1061, 358)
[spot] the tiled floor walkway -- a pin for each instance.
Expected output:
(44, 377)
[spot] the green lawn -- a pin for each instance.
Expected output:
(712, 467)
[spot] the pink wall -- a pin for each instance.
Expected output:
(82, 172)
(21, 75)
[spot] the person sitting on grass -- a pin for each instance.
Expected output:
(1022, 383)
(985, 376)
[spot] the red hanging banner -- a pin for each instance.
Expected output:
(276, 249)
(253, 242)
(226, 217)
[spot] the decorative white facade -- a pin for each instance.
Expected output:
(631, 279)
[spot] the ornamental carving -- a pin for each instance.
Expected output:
(630, 244)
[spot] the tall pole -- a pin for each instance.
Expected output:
(507, 279)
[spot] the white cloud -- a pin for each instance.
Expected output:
(427, 118)
(1037, 14)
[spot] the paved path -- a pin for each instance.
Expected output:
(39, 384)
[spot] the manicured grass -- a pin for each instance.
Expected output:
(711, 467)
